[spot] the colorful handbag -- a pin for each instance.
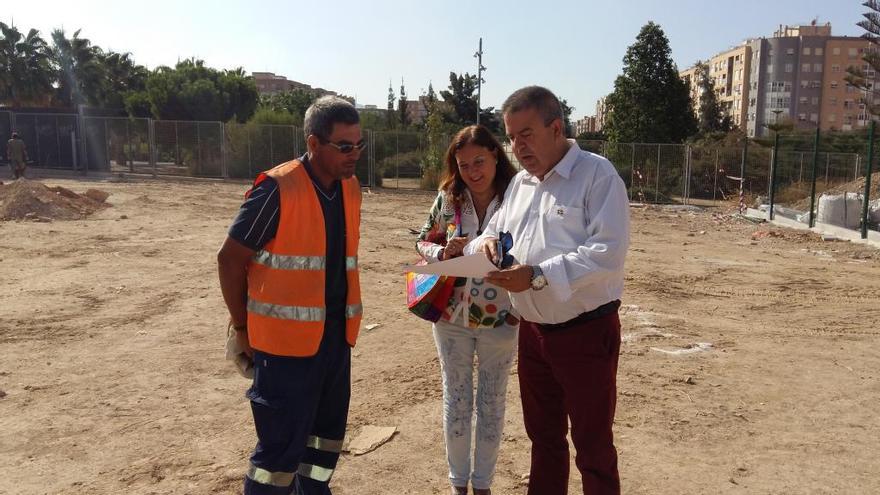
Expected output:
(427, 295)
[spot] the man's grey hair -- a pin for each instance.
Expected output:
(541, 99)
(325, 112)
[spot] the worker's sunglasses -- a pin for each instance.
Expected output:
(345, 147)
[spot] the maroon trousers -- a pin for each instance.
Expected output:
(564, 374)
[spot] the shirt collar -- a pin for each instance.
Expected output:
(564, 166)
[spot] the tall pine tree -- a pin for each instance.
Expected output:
(389, 113)
(855, 75)
(710, 115)
(650, 103)
(431, 98)
(402, 110)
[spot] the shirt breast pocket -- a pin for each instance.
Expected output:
(566, 226)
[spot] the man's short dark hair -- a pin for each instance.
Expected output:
(325, 112)
(14, 135)
(541, 99)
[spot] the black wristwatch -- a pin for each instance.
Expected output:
(539, 281)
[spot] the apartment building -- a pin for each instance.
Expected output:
(729, 72)
(691, 77)
(797, 77)
(270, 83)
(843, 107)
(586, 124)
(601, 114)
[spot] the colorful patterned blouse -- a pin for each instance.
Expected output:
(488, 304)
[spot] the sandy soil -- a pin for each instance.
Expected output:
(113, 378)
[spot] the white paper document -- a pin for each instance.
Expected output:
(473, 266)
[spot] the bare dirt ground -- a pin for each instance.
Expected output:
(113, 379)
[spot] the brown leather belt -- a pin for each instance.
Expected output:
(603, 310)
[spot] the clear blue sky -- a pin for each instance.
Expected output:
(573, 47)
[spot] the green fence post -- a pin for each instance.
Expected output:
(868, 180)
(773, 173)
(813, 185)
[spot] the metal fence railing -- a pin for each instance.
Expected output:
(653, 173)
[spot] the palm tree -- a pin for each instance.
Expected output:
(26, 74)
(80, 73)
(123, 77)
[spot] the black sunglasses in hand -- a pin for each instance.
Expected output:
(345, 147)
(505, 244)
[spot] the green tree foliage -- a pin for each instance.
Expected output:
(402, 110)
(461, 98)
(389, 114)
(80, 71)
(431, 98)
(460, 104)
(711, 117)
(192, 91)
(856, 76)
(650, 102)
(26, 73)
(295, 102)
(123, 77)
(566, 117)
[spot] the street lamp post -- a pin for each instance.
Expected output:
(480, 81)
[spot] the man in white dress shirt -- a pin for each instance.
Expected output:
(568, 215)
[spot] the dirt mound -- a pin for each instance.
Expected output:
(856, 186)
(32, 200)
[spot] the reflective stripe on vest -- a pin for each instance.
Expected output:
(282, 262)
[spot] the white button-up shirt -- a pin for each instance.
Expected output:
(574, 225)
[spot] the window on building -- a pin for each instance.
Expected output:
(835, 68)
(805, 84)
(814, 117)
(848, 104)
(802, 117)
(789, 51)
(814, 100)
(816, 84)
(853, 52)
(805, 68)
(835, 50)
(832, 101)
(817, 67)
(803, 100)
(833, 84)
(807, 50)
(819, 51)
(789, 68)
(832, 117)
(770, 69)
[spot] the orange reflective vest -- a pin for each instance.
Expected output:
(286, 279)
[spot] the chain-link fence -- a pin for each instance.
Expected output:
(813, 183)
(653, 173)
(50, 138)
